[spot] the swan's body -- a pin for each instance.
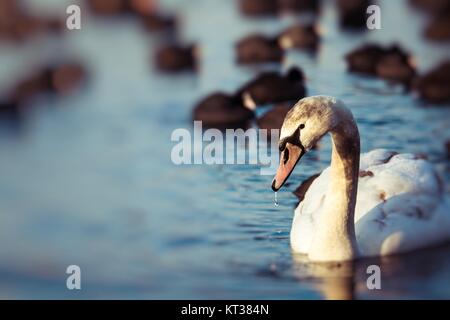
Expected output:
(400, 206)
(397, 203)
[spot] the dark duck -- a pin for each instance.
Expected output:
(273, 87)
(434, 86)
(258, 48)
(392, 63)
(298, 6)
(273, 119)
(177, 58)
(222, 110)
(299, 36)
(255, 8)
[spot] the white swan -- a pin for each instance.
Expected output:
(395, 204)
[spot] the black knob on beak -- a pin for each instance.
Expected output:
(273, 186)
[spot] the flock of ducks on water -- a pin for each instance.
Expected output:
(58, 78)
(222, 109)
(231, 110)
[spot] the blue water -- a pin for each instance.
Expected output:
(88, 179)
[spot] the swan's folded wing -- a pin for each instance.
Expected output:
(400, 206)
(403, 224)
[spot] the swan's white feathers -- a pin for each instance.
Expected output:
(400, 206)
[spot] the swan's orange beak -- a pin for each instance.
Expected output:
(288, 160)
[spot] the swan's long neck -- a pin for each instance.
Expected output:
(334, 238)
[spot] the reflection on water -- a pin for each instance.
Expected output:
(89, 181)
(335, 281)
(412, 275)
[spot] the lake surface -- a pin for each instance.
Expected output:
(88, 179)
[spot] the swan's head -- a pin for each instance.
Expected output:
(308, 121)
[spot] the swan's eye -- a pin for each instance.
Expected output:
(286, 155)
(302, 126)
